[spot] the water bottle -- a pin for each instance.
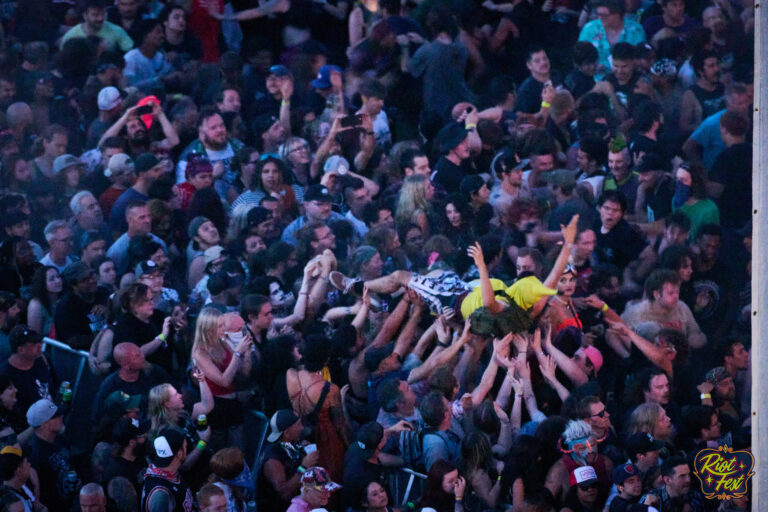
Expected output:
(250, 506)
(202, 422)
(66, 392)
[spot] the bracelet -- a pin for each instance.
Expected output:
(459, 498)
(201, 445)
(301, 469)
(238, 354)
(518, 395)
(347, 310)
(705, 396)
(444, 345)
(285, 102)
(523, 352)
(161, 337)
(470, 126)
(498, 478)
(604, 308)
(544, 104)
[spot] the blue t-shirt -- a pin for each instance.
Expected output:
(708, 135)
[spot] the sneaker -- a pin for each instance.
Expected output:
(343, 283)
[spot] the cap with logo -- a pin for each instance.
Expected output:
(118, 165)
(323, 80)
(622, 472)
(119, 402)
(337, 164)
(280, 422)
(317, 193)
(318, 477)
(280, 71)
(41, 411)
(642, 442)
(583, 475)
(166, 445)
(146, 267)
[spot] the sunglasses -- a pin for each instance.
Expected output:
(586, 487)
(600, 414)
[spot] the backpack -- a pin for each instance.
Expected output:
(411, 444)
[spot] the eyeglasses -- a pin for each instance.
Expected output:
(303, 147)
(600, 414)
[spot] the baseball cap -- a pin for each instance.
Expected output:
(109, 98)
(280, 421)
(642, 442)
(717, 375)
(594, 356)
(64, 161)
(21, 335)
(323, 80)
(10, 460)
(280, 71)
(583, 475)
(223, 280)
(145, 162)
(560, 178)
(77, 272)
(650, 162)
(41, 411)
(125, 430)
(263, 123)
(119, 402)
(471, 184)
(337, 164)
(450, 136)
(621, 473)
(374, 356)
(147, 118)
(195, 224)
(318, 477)
(146, 267)
(166, 445)
(369, 436)
(119, 164)
(317, 193)
(257, 215)
(213, 253)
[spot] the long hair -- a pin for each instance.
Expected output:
(158, 412)
(644, 418)
(238, 221)
(412, 198)
(39, 288)
(434, 496)
(285, 176)
(206, 329)
(475, 452)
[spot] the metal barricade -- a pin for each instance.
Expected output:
(406, 485)
(72, 365)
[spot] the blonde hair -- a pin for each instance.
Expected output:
(412, 198)
(644, 418)
(159, 414)
(206, 329)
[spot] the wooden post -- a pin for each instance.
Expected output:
(760, 266)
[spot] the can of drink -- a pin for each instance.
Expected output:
(66, 391)
(202, 422)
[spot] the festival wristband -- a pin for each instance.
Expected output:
(544, 104)
(201, 445)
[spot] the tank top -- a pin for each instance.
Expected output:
(711, 101)
(217, 390)
(157, 480)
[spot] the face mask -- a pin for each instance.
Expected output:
(580, 448)
(682, 193)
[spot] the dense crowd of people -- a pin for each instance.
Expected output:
(505, 245)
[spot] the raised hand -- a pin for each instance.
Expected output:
(548, 365)
(569, 232)
(476, 253)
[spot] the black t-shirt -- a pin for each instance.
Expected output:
(189, 49)
(73, 317)
(448, 175)
(623, 91)
(711, 101)
(619, 504)
(733, 169)
(619, 246)
(129, 328)
(642, 144)
(151, 377)
(578, 83)
(358, 472)
(658, 202)
(119, 466)
(529, 93)
(33, 384)
(290, 457)
(52, 462)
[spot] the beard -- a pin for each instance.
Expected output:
(140, 138)
(214, 144)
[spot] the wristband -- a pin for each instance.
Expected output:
(444, 345)
(544, 104)
(300, 469)
(238, 354)
(498, 478)
(201, 445)
(470, 126)
(161, 337)
(604, 308)
(705, 396)
(285, 102)
(459, 498)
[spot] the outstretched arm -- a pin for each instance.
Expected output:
(569, 236)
